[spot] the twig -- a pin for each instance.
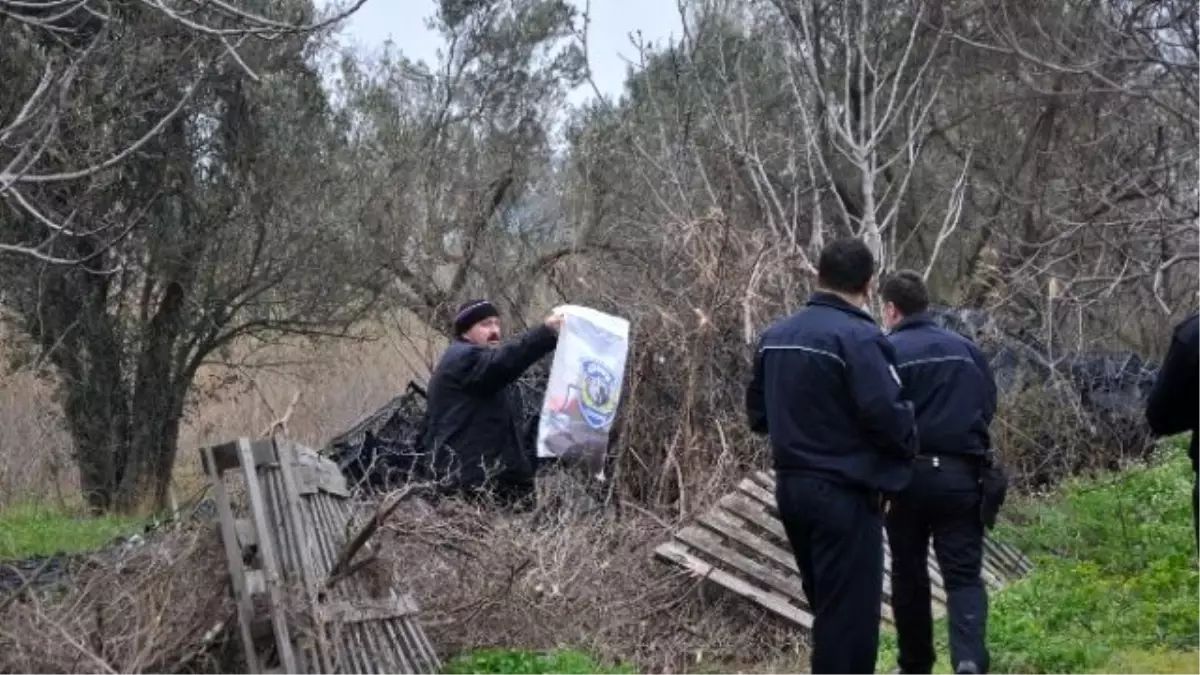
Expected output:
(342, 565)
(26, 583)
(280, 425)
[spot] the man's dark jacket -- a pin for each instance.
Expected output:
(825, 390)
(475, 422)
(950, 385)
(1174, 404)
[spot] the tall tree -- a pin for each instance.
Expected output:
(214, 228)
(459, 181)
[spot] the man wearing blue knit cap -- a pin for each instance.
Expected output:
(474, 428)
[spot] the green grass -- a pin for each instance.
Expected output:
(1116, 586)
(30, 530)
(1134, 661)
(518, 662)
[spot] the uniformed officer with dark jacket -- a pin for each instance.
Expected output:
(1174, 404)
(825, 391)
(474, 413)
(953, 392)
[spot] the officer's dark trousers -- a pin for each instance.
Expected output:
(942, 502)
(836, 534)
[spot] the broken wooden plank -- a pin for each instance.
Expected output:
(242, 594)
(302, 545)
(298, 533)
(270, 560)
(741, 544)
(767, 499)
(343, 611)
(679, 555)
(710, 545)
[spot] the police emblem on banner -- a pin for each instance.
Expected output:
(597, 394)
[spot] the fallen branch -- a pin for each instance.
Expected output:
(25, 583)
(342, 567)
(280, 425)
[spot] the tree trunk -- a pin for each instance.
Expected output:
(125, 460)
(96, 417)
(95, 404)
(126, 436)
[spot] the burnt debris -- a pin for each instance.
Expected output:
(1071, 411)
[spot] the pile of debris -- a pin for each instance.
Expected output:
(1067, 412)
(310, 595)
(1105, 382)
(157, 603)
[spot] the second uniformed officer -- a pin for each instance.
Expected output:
(1172, 405)
(954, 395)
(825, 390)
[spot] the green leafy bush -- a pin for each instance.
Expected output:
(1115, 584)
(517, 662)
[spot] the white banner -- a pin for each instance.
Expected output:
(584, 387)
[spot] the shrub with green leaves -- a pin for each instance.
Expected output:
(1116, 582)
(519, 662)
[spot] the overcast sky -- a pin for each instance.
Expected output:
(608, 40)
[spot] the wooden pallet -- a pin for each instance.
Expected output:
(741, 545)
(281, 549)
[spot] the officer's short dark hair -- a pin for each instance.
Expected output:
(846, 266)
(907, 291)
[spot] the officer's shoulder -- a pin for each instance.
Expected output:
(790, 323)
(1188, 330)
(773, 328)
(776, 332)
(953, 336)
(860, 330)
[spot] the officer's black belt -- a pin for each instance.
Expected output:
(967, 463)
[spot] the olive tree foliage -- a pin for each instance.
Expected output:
(1117, 93)
(460, 192)
(1081, 119)
(51, 48)
(1005, 149)
(167, 176)
(799, 122)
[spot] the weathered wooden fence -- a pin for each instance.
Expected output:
(741, 545)
(304, 605)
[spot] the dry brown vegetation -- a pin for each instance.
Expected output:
(337, 383)
(587, 582)
(539, 581)
(157, 608)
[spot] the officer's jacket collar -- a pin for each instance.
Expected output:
(915, 321)
(834, 301)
